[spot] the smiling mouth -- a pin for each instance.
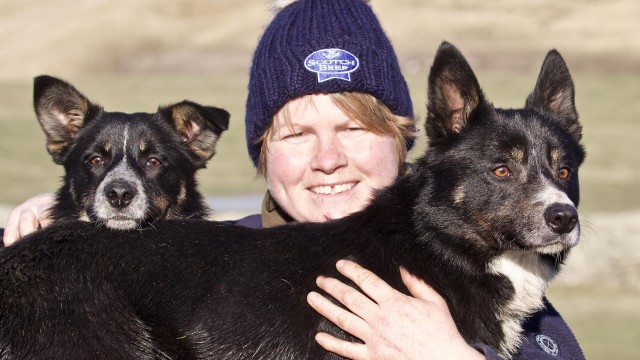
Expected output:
(332, 189)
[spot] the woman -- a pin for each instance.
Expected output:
(329, 119)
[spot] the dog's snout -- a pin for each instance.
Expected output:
(120, 194)
(561, 218)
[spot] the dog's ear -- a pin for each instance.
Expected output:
(199, 126)
(554, 94)
(453, 94)
(61, 111)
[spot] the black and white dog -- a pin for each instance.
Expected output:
(486, 217)
(126, 170)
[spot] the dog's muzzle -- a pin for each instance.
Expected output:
(561, 218)
(120, 194)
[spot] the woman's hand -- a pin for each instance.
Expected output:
(28, 217)
(393, 325)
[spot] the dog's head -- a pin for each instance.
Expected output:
(125, 170)
(508, 177)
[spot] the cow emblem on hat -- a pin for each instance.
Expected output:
(331, 53)
(332, 64)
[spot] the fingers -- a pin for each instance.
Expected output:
(45, 221)
(28, 217)
(348, 321)
(19, 224)
(370, 283)
(343, 348)
(378, 290)
(11, 233)
(419, 288)
(28, 223)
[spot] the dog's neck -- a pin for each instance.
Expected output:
(529, 273)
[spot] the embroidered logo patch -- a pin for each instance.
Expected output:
(332, 64)
(547, 344)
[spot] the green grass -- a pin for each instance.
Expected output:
(608, 109)
(604, 320)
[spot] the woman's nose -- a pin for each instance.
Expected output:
(329, 154)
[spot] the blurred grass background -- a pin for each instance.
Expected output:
(134, 56)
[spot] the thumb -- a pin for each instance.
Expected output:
(418, 288)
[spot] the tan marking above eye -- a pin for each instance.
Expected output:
(517, 154)
(556, 156)
(458, 195)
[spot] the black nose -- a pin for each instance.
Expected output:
(561, 218)
(120, 194)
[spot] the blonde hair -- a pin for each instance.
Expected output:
(361, 107)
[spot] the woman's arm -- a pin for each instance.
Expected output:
(393, 325)
(28, 217)
(397, 326)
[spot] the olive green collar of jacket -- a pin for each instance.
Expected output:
(272, 214)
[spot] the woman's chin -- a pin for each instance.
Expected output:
(337, 213)
(322, 208)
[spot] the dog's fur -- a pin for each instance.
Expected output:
(486, 217)
(125, 170)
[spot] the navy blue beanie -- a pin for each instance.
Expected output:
(321, 46)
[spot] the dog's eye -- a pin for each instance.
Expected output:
(501, 171)
(153, 162)
(96, 160)
(564, 173)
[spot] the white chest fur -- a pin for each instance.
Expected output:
(529, 275)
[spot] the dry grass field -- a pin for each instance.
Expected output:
(135, 55)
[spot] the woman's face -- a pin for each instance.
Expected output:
(326, 165)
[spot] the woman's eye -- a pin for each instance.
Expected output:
(153, 162)
(564, 173)
(501, 171)
(96, 161)
(295, 138)
(356, 131)
(293, 135)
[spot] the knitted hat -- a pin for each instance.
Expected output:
(321, 46)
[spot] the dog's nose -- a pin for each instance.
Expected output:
(120, 194)
(561, 218)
